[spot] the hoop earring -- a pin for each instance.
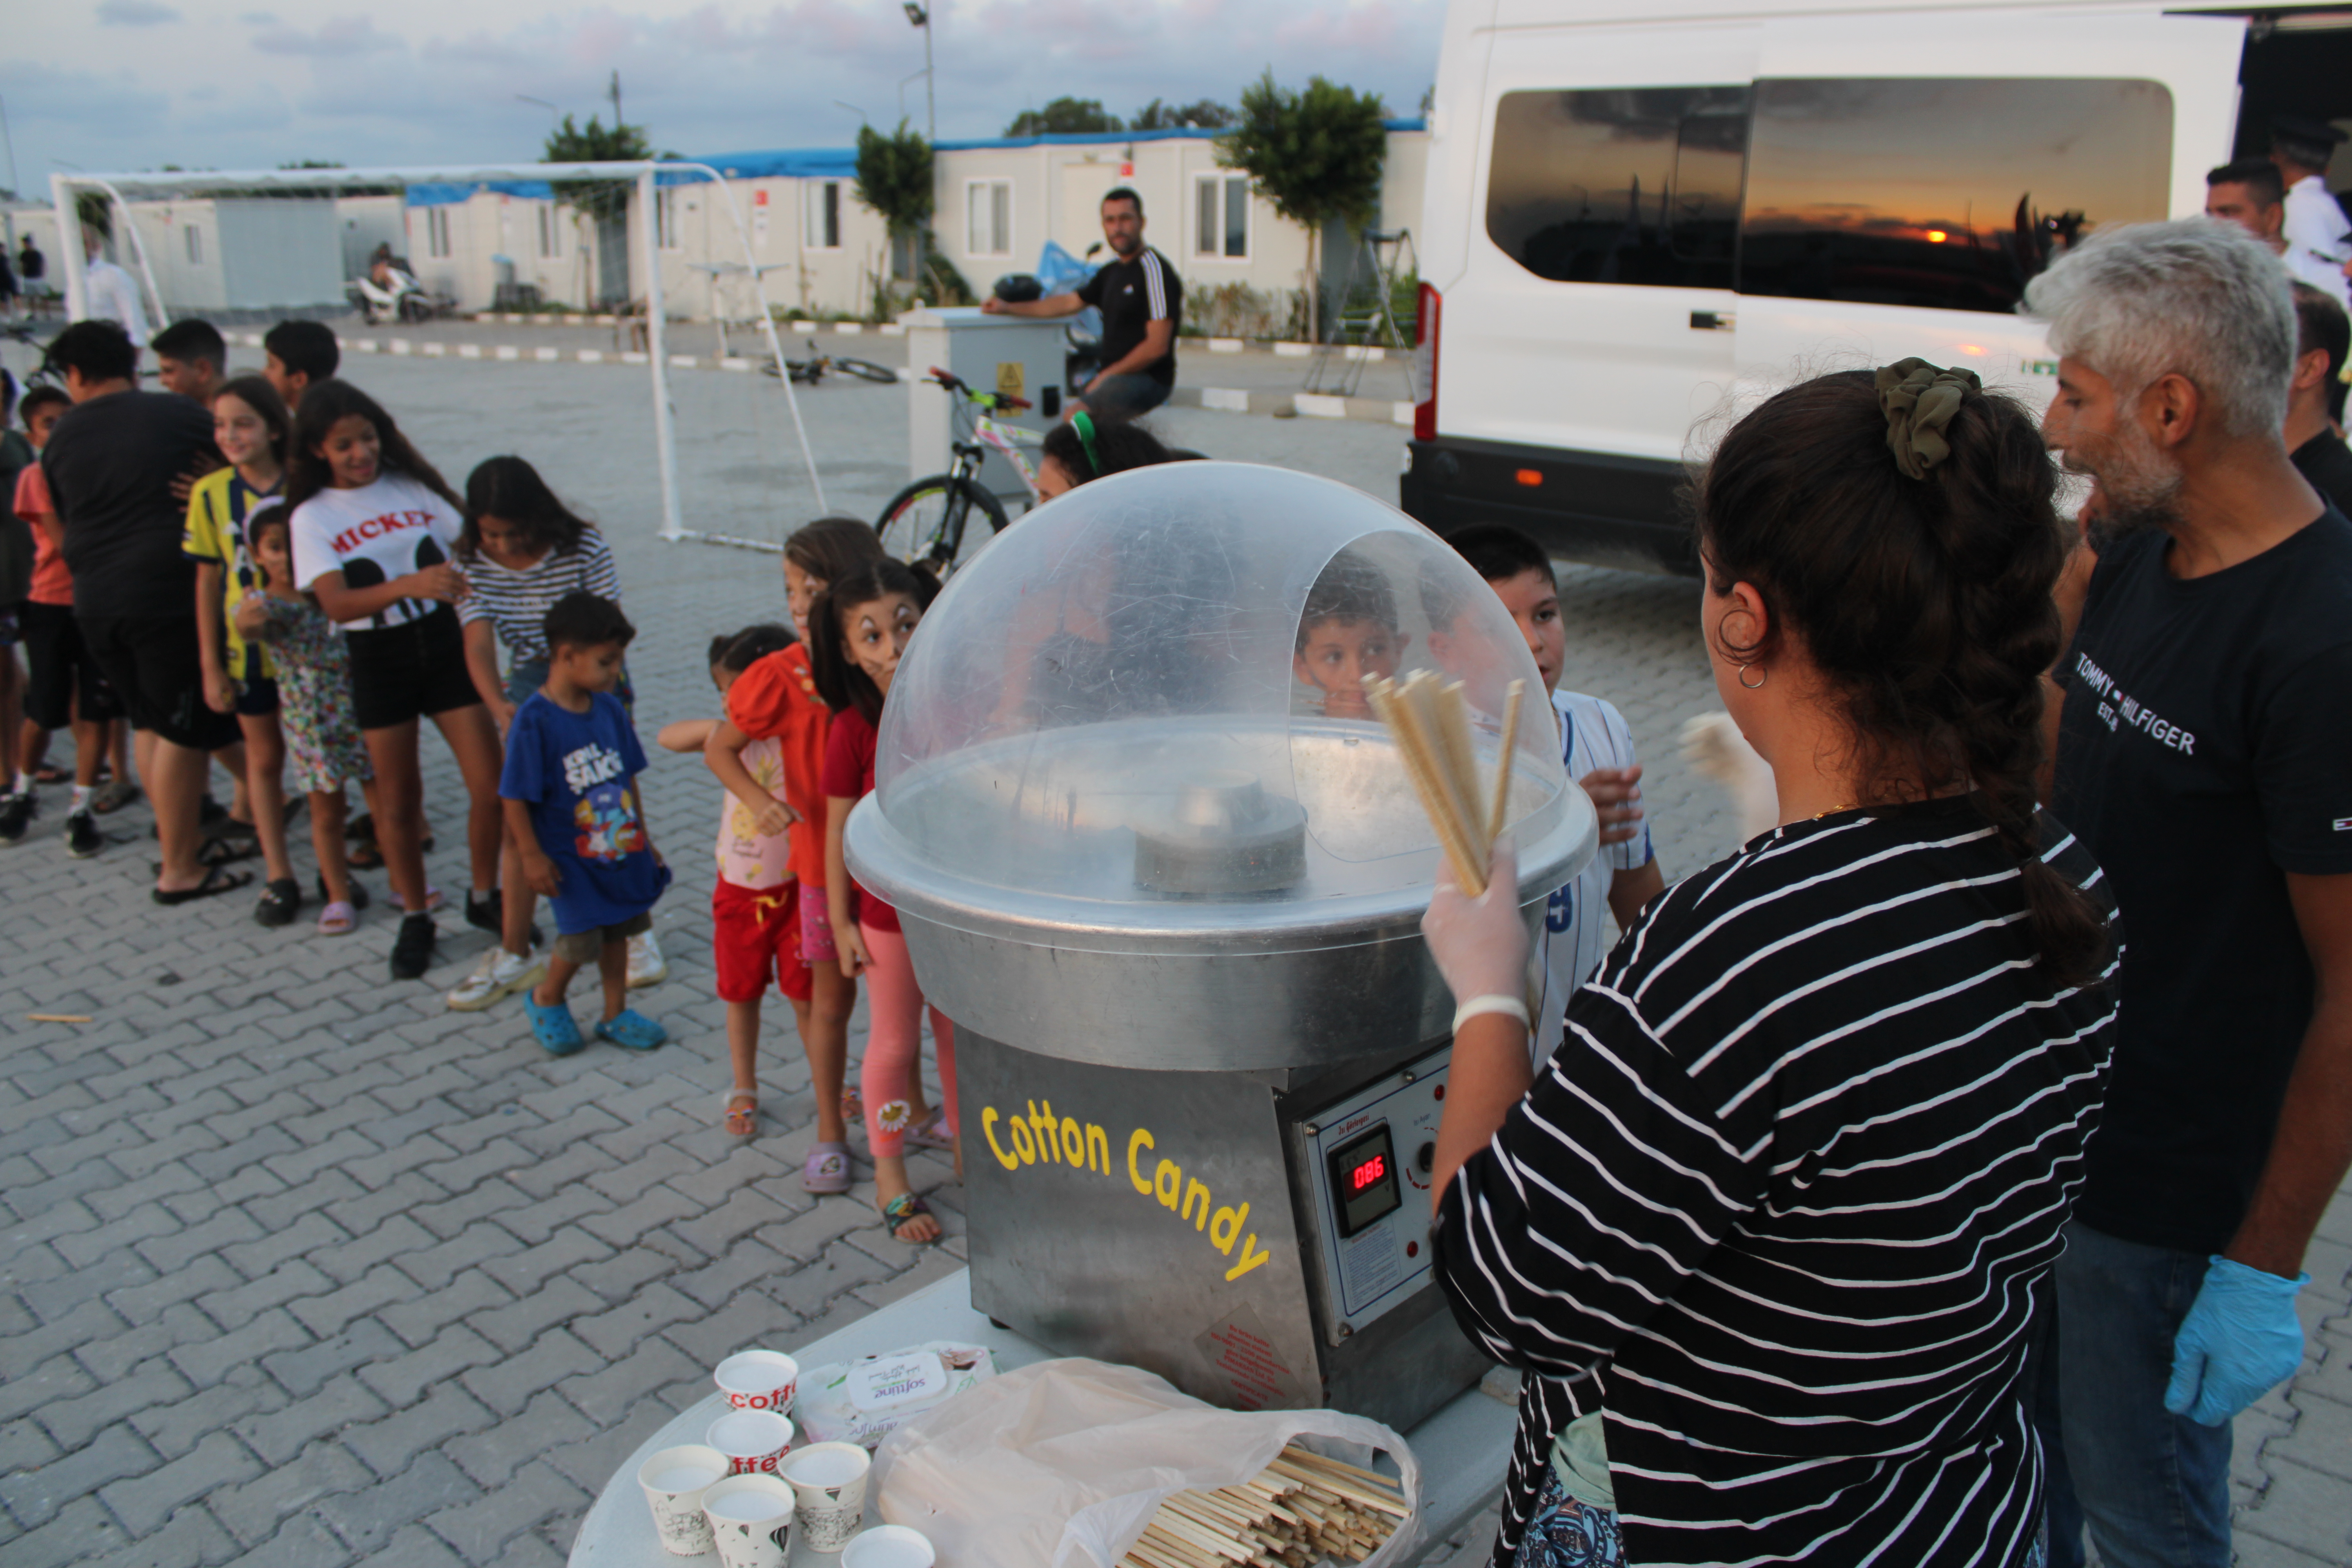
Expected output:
(1758, 686)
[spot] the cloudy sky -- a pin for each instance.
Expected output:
(134, 84)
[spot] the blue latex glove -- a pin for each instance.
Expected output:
(2240, 1341)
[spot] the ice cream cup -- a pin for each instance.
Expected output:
(752, 1440)
(758, 1379)
(751, 1520)
(674, 1481)
(829, 1481)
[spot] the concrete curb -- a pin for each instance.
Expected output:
(1287, 404)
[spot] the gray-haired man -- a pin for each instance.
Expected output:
(2204, 754)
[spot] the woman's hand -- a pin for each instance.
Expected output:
(502, 714)
(850, 947)
(1481, 944)
(443, 582)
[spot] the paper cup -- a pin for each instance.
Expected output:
(752, 1440)
(674, 1481)
(889, 1546)
(751, 1520)
(828, 1482)
(758, 1379)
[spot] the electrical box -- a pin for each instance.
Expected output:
(1013, 354)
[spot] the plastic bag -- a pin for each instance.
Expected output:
(1061, 1464)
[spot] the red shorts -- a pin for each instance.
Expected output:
(755, 933)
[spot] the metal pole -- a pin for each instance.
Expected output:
(69, 258)
(657, 352)
(930, 94)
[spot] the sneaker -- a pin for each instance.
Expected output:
(412, 951)
(82, 838)
(17, 811)
(498, 974)
(646, 965)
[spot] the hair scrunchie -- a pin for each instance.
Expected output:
(1919, 399)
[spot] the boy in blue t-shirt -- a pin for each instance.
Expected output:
(573, 807)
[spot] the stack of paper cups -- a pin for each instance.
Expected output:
(751, 1520)
(752, 1440)
(828, 1482)
(674, 1481)
(758, 1379)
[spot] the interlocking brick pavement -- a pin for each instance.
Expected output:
(299, 1267)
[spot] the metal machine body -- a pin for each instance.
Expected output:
(1193, 1223)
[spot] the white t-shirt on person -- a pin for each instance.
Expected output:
(373, 535)
(1575, 934)
(114, 297)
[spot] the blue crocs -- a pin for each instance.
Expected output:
(632, 1030)
(552, 1028)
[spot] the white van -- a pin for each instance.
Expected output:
(1636, 214)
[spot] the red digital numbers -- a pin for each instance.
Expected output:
(1371, 1170)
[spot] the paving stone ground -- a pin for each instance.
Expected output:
(299, 1267)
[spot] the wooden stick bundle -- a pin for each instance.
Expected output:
(1431, 726)
(1301, 1509)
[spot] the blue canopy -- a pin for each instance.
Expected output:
(450, 195)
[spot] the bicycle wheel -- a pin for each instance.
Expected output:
(936, 520)
(865, 370)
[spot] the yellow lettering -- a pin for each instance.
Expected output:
(1251, 1258)
(1139, 1142)
(1043, 1126)
(1099, 1140)
(1192, 1191)
(1226, 1228)
(1167, 1182)
(1074, 1142)
(1022, 1144)
(988, 1131)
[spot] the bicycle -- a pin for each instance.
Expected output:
(926, 521)
(809, 372)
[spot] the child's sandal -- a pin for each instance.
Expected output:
(931, 1132)
(899, 1210)
(338, 919)
(742, 1115)
(825, 1171)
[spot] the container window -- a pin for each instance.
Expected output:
(1946, 192)
(1621, 184)
(195, 240)
(436, 232)
(824, 215)
(1221, 217)
(988, 218)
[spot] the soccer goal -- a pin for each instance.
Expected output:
(253, 244)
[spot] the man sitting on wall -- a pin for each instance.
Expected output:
(1142, 304)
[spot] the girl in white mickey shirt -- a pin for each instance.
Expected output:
(374, 528)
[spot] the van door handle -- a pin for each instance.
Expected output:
(1711, 321)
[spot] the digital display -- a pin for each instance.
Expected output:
(1363, 1180)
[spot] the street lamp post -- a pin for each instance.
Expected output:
(920, 16)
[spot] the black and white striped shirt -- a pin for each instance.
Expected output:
(1779, 1205)
(516, 602)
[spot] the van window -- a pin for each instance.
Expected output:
(1620, 184)
(1943, 191)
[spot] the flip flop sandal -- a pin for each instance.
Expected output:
(228, 849)
(280, 900)
(360, 899)
(742, 1115)
(826, 1170)
(369, 856)
(338, 920)
(931, 1132)
(901, 1209)
(217, 882)
(50, 774)
(113, 797)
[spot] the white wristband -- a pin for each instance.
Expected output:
(1491, 1003)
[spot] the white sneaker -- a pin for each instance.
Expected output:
(646, 965)
(499, 973)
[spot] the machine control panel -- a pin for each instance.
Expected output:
(1368, 1159)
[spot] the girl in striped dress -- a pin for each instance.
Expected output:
(523, 549)
(1765, 1237)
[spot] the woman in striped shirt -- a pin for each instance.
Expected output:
(521, 549)
(1766, 1236)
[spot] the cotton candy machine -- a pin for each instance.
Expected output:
(1166, 875)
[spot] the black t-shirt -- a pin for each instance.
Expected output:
(2326, 462)
(1131, 295)
(110, 463)
(2205, 750)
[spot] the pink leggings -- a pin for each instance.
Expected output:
(894, 1043)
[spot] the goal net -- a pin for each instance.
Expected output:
(578, 266)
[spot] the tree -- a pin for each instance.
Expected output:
(1316, 155)
(893, 179)
(1063, 117)
(605, 203)
(1208, 114)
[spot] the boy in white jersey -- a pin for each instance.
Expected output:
(1598, 750)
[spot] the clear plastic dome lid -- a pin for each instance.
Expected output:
(1141, 711)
